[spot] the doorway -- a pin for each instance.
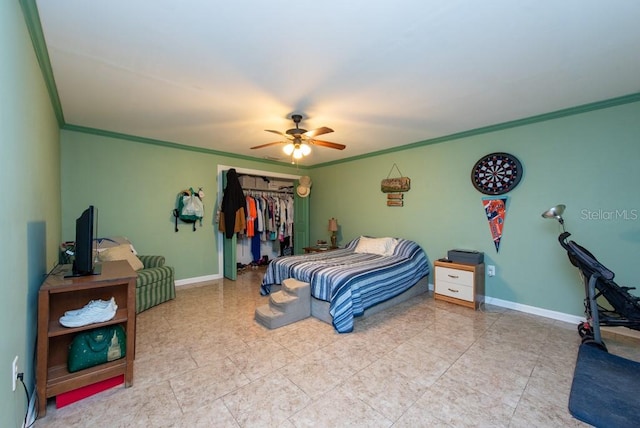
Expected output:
(227, 257)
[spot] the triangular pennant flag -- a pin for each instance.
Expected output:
(496, 211)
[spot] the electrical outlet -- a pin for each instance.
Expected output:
(14, 373)
(491, 270)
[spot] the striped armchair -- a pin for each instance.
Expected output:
(155, 283)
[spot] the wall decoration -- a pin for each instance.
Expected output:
(496, 173)
(395, 199)
(496, 211)
(398, 184)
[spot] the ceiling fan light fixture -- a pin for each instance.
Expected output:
(298, 140)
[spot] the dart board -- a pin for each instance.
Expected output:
(496, 173)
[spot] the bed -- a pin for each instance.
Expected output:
(366, 273)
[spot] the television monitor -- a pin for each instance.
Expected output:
(83, 263)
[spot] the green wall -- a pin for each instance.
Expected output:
(587, 161)
(134, 186)
(30, 218)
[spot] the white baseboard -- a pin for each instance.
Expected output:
(560, 316)
(621, 331)
(188, 281)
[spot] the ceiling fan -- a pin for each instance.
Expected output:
(298, 140)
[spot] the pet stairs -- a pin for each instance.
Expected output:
(292, 303)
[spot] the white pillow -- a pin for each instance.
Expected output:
(121, 252)
(391, 246)
(380, 246)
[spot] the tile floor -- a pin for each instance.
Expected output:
(202, 361)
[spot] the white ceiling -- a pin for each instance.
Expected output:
(381, 73)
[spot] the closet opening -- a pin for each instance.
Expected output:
(270, 216)
(264, 185)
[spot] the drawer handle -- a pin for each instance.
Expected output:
(452, 290)
(452, 276)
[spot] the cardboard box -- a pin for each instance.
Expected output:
(261, 183)
(247, 182)
(279, 185)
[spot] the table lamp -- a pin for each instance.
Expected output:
(333, 228)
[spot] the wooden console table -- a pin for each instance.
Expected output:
(59, 294)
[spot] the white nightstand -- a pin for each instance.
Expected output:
(459, 283)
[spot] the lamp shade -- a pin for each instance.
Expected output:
(288, 149)
(555, 212)
(333, 225)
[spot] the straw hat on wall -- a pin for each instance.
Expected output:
(304, 188)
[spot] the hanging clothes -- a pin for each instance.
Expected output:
(289, 217)
(261, 202)
(232, 209)
(253, 226)
(269, 220)
(251, 216)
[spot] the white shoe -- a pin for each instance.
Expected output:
(90, 315)
(101, 304)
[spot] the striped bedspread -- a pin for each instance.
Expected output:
(351, 282)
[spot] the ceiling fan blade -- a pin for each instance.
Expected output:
(318, 131)
(328, 144)
(282, 134)
(268, 144)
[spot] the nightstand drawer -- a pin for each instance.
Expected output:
(462, 292)
(459, 283)
(454, 276)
